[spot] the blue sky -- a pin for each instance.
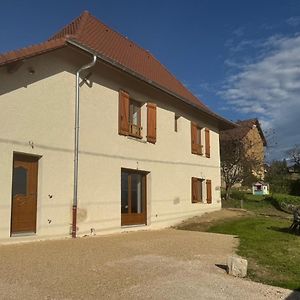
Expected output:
(242, 58)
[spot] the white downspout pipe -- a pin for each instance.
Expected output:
(76, 145)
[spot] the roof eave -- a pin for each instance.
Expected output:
(222, 122)
(24, 53)
(260, 131)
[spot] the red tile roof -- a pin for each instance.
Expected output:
(89, 32)
(23, 53)
(241, 131)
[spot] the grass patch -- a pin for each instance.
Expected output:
(283, 201)
(286, 198)
(273, 253)
(274, 204)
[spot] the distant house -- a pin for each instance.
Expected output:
(148, 148)
(252, 136)
(260, 188)
(294, 171)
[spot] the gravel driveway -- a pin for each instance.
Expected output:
(166, 264)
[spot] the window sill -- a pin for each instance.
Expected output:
(132, 226)
(198, 154)
(23, 234)
(137, 139)
(135, 136)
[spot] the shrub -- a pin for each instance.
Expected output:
(283, 202)
(280, 185)
(238, 195)
(295, 187)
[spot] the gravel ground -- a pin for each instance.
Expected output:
(166, 264)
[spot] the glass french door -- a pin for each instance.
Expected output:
(133, 197)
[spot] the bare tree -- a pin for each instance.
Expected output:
(238, 162)
(294, 155)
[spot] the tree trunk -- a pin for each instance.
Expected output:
(227, 192)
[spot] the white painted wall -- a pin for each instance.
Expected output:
(39, 107)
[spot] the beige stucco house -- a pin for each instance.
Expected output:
(148, 149)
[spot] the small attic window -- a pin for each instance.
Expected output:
(176, 123)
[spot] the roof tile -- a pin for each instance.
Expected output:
(87, 31)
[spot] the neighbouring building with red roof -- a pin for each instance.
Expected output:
(140, 150)
(252, 136)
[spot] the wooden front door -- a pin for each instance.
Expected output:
(24, 194)
(133, 197)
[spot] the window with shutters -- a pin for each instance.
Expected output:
(129, 116)
(197, 190)
(135, 128)
(196, 132)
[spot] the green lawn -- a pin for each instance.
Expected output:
(261, 204)
(272, 252)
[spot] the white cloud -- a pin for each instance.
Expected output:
(239, 31)
(242, 45)
(269, 88)
(294, 21)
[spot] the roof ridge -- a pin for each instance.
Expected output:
(149, 53)
(83, 19)
(247, 120)
(120, 34)
(121, 51)
(60, 33)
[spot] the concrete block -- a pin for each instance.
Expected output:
(237, 266)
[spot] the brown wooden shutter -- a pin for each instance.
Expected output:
(194, 190)
(151, 123)
(208, 191)
(194, 137)
(207, 143)
(123, 113)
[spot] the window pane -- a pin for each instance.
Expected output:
(135, 115)
(124, 192)
(136, 194)
(20, 181)
(200, 199)
(198, 136)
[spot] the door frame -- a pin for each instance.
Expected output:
(145, 200)
(35, 157)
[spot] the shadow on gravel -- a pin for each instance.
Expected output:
(223, 267)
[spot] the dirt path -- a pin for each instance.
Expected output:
(202, 223)
(166, 264)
